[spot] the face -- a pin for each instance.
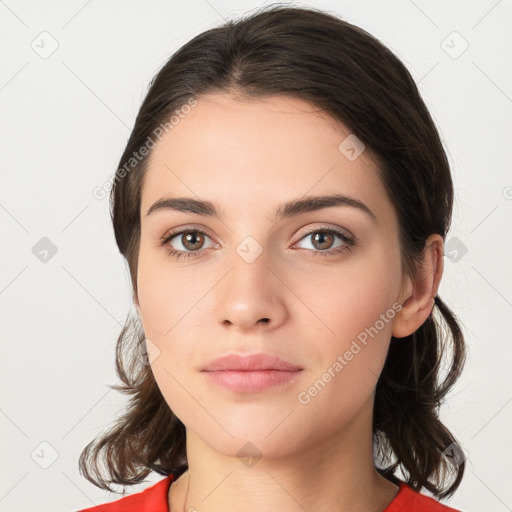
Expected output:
(317, 287)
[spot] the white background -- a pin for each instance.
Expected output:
(65, 120)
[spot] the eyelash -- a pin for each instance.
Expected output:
(349, 242)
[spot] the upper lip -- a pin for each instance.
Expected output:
(253, 362)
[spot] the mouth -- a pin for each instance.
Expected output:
(252, 362)
(253, 373)
(252, 381)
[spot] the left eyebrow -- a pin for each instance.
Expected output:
(288, 209)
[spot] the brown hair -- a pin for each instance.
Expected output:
(353, 77)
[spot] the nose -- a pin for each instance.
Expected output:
(251, 296)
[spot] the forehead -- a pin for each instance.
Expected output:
(248, 155)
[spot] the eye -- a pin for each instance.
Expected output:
(188, 242)
(323, 239)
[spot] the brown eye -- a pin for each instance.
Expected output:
(322, 240)
(192, 241)
(186, 243)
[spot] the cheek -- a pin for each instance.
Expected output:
(166, 295)
(173, 319)
(173, 384)
(349, 360)
(345, 299)
(351, 326)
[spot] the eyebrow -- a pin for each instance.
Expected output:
(288, 209)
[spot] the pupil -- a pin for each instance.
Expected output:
(321, 238)
(190, 239)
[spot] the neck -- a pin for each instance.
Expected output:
(335, 473)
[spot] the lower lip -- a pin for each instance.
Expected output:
(252, 381)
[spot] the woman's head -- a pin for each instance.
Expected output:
(256, 117)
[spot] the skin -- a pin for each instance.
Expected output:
(249, 157)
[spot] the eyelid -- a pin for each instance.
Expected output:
(307, 231)
(187, 227)
(338, 229)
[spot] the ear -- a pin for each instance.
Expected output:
(418, 305)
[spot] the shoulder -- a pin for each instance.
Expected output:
(411, 500)
(152, 498)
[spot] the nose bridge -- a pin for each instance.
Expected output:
(249, 275)
(249, 292)
(250, 244)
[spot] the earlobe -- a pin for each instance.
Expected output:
(418, 306)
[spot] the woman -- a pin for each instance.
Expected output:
(282, 204)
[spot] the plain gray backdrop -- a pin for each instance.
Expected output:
(72, 78)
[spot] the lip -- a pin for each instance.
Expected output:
(253, 373)
(252, 362)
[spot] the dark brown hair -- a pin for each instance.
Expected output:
(353, 77)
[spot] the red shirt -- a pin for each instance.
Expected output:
(154, 499)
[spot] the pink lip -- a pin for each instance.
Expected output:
(250, 363)
(257, 372)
